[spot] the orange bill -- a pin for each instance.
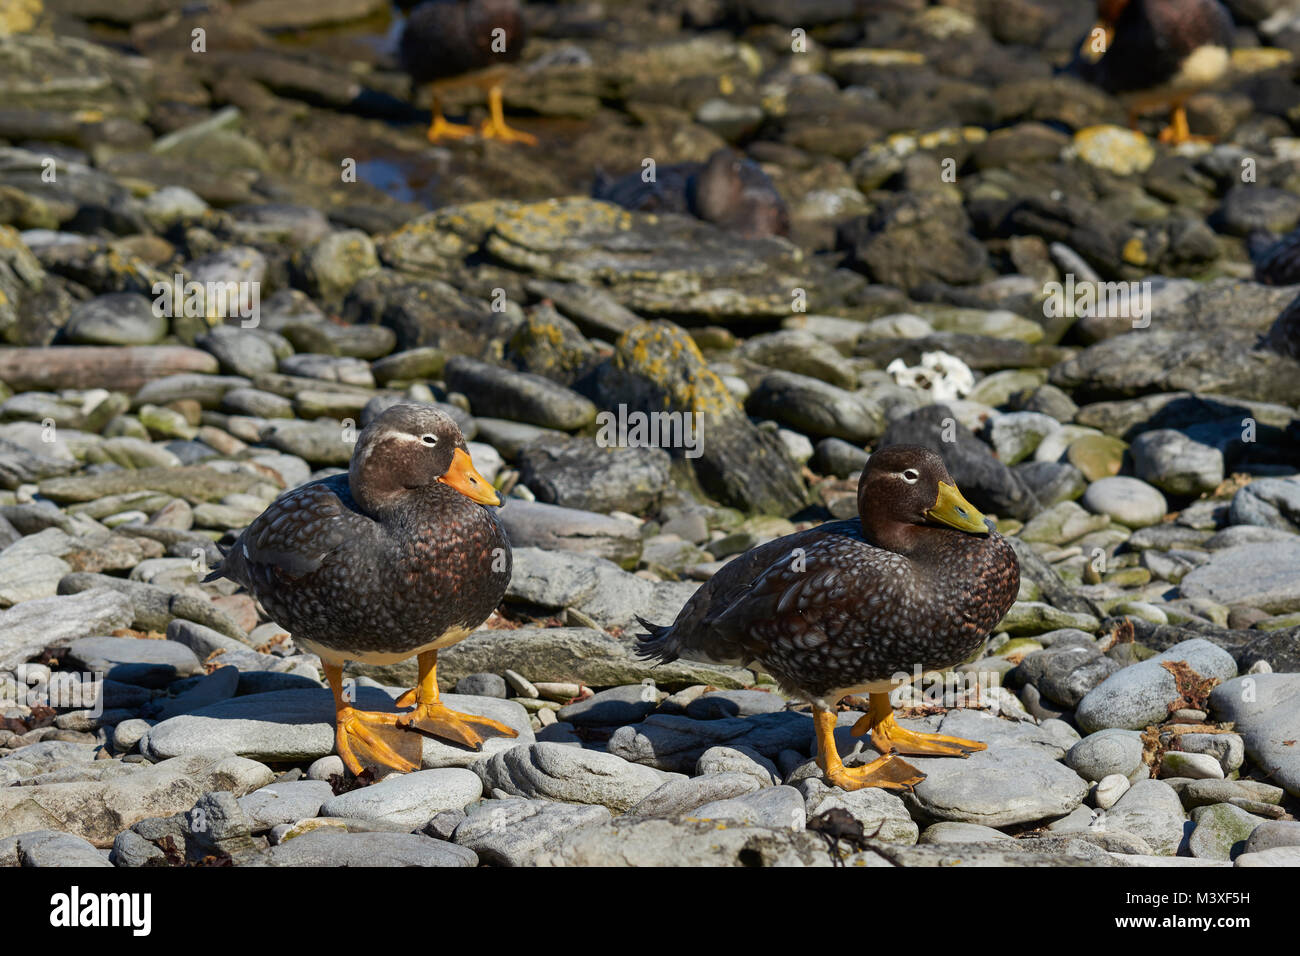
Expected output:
(464, 477)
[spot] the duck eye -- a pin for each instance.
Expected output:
(429, 440)
(911, 476)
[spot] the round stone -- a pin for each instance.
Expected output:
(1129, 501)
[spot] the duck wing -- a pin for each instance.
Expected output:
(295, 536)
(803, 596)
(795, 585)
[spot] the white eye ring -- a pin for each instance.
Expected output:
(429, 439)
(911, 476)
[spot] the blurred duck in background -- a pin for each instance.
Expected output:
(1154, 54)
(450, 43)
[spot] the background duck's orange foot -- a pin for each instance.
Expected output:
(365, 739)
(506, 134)
(1178, 132)
(888, 772)
(441, 721)
(440, 129)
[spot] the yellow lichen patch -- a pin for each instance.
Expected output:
(1135, 252)
(1115, 149)
(1258, 59)
(868, 56)
(19, 16)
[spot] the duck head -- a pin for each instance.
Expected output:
(905, 490)
(409, 447)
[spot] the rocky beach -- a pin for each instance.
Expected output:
(226, 246)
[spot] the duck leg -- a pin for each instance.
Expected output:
(364, 737)
(431, 716)
(1178, 131)
(439, 128)
(888, 737)
(889, 772)
(494, 127)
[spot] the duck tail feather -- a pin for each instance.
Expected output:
(658, 645)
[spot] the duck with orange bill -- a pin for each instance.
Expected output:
(401, 556)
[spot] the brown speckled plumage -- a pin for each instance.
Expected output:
(383, 560)
(853, 602)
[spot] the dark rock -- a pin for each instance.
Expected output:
(834, 456)
(579, 473)
(612, 708)
(914, 238)
(504, 393)
(659, 368)
(983, 353)
(1064, 675)
(815, 408)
